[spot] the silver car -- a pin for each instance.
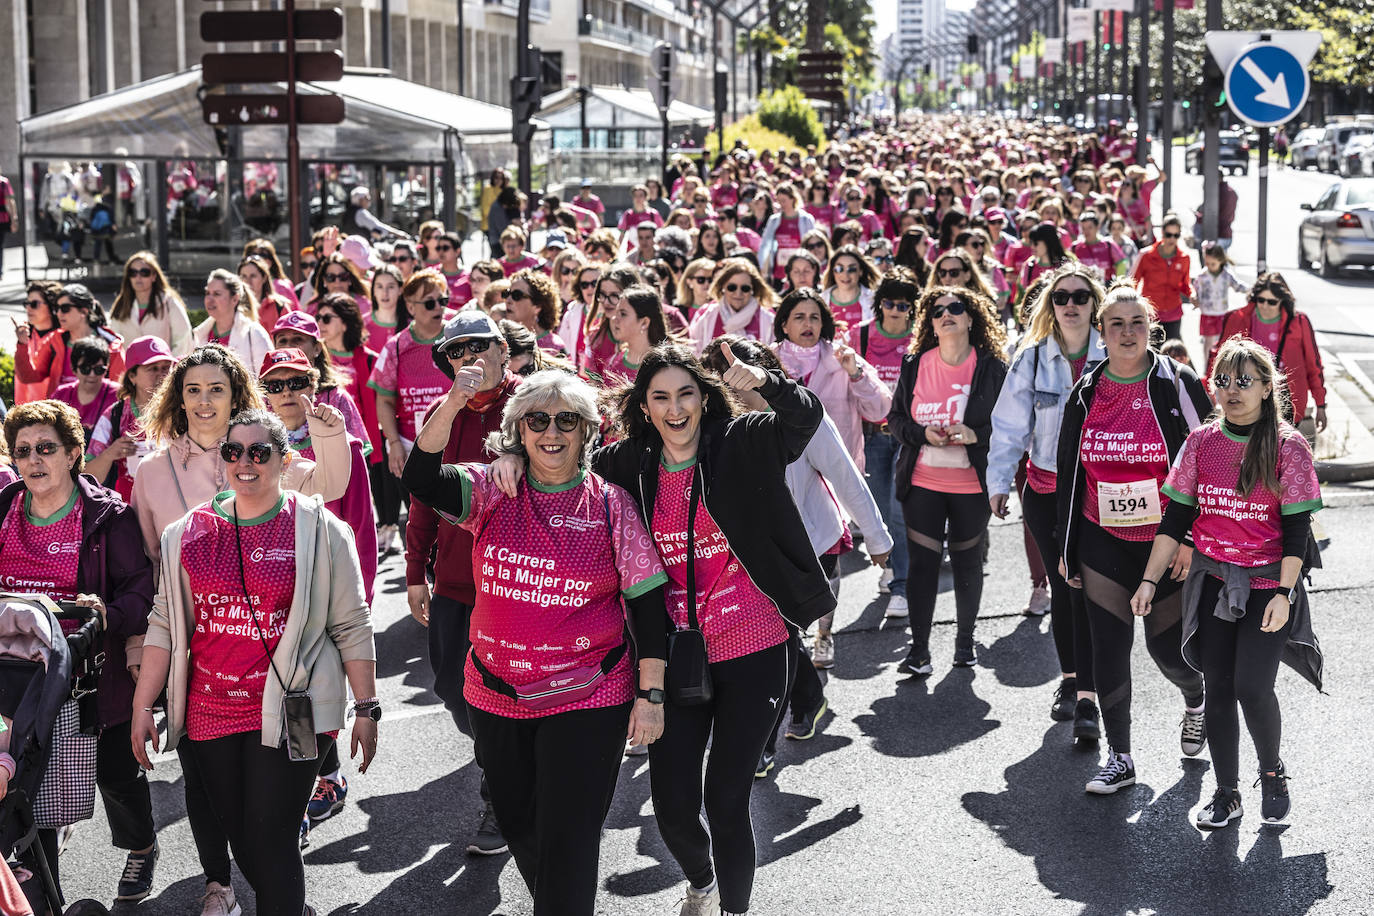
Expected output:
(1338, 232)
(1303, 149)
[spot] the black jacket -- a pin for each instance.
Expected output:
(1180, 402)
(743, 462)
(988, 374)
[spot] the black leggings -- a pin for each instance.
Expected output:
(748, 690)
(259, 796)
(1068, 616)
(1240, 664)
(1111, 569)
(212, 846)
(926, 512)
(804, 688)
(552, 779)
(387, 491)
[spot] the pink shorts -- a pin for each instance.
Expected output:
(1210, 325)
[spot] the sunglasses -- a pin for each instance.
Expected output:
(1268, 300)
(515, 295)
(586, 284)
(946, 273)
(399, 259)
(1062, 297)
(92, 368)
(278, 385)
(332, 277)
(35, 303)
(853, 199)
(882, 258)
(567, 271)
(1172, 235)
(979, 245)
(815, 246)
(954, 308)
(442, 248)
(944, 193)
(746, 288)
(309, 265)
(538, 420)
(703, 279)
(846, 268)
(44, 449)
(897, 305)
(1223, 381)
(325, 318)
(473, 345)
(258, 452)
(65, 307)
(438, 302)
(144, 272)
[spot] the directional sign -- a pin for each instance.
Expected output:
(1266, 85)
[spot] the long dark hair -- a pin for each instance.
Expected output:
(1272, 281)
(1054, 245)
(952, 218)
(985, 331)
(632, 400)
(1260, 463)
(162, 291)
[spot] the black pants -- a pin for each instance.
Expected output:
(926, 513)
(124, 789)
(449, 641)
(1173, 330)
(1239, 664)
(747, 690)
(259, 796)
(387, 491)
(1068, 616)
(212, 844)
(1111, 569)
(804, 689)
(552, 780)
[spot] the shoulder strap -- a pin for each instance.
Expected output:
(180, 495)
(691, 550)
(863, 340)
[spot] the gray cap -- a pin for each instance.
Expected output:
(555, 238)
(469, 322)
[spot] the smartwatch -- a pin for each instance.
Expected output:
(1292, 593)
(653, 695)
(370, 709)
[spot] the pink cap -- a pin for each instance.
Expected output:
(995, 213)
(301, 322)
(286, 358)
(357, 250)
(144, 350)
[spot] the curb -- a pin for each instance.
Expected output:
(1352, 469)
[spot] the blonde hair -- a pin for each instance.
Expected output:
(1043, 322)
(763, 292)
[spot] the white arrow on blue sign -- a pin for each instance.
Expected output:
(1266, 84)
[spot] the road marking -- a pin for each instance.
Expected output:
(1350, 363)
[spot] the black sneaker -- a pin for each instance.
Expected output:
(1065, 696)
(1117, 773)
(137, 880)
(916, 663)
(488, 841)
(1275, 804)
(965, 657)
(766, 762)
(803, 724)
(1086, 722)
(1221, 810)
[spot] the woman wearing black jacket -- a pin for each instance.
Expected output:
(942, 420)
(1124, 423)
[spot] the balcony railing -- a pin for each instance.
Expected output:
(539, 9)
(595, 27)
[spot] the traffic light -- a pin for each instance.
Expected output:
(524, 105)
(722, 88)
(973, 45)
(663, 74)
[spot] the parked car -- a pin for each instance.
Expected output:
(1333, 140)
(1349, 162)
(1338, 232)
(1234, 153)
(1303, 149)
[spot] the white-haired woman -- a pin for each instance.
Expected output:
(551, 687)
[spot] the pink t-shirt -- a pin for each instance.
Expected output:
(405, 370)
(1102, 254)
(884, 352)
(788, 239)
(377, 334)
(551, 567)
(41, 556)
(1122, 443)
(733, 615)
(629, 219)
(1264, 333)
(599, 352)
(510, 268)
(824, 215)
(229, 664)
(1231, 528)
(92, 412)
(851, 313)
(940, 398)
(724, 195)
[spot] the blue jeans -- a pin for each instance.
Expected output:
(880, 462)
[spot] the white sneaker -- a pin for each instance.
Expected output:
(219, 901)
(896, 607)
(885, 582)
(823, 652)
(1039, 604)
(702, 903)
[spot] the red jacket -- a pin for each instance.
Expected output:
(1298, 356)
(1164, 281)
(40, 368)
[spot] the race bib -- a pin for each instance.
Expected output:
(1127, 505)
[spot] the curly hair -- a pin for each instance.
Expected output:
(631, 401)
(544, 293)
(61, 417)
(985, 332)
(346, 308)
(166, 417)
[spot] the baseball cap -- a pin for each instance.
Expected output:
(468, 323)
(143, 351)
(359, 252)
(992, 214)
(302, 322)
(285, 358)
(555, 238)
(586, 182)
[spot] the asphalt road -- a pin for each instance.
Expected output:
(953, 794)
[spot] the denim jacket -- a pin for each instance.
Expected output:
(1030, 408)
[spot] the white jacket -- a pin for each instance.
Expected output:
(829, 488)
(246, 338)
(174, 326)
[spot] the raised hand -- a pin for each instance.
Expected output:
(741, 376)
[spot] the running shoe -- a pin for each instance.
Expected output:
(1086, 724)
(305, 831)
(488, 841)
(386, 540)
(1193, 737)
(916, 663)
(965, 656)
(823, 653)
(1065, 699)
(1221, 810)
(1117, 773)
(219, 901)
(896, 607)
(328, 799)
(803, 724)
(885, 582)
(766, 763)
(1275, 804)
(1039, 604)
(137, 880)
(705, 902)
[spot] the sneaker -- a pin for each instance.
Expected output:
(488, 841)
(1039, 604)
(328, 799)
(885, 582)
(305, 831)
(1193, 737)
(965, 657)
(1086, 725)
(705, 902)
(137, 880)
(1275, 804)
(823, 652)
(636, 750)
(803, 724)
(1065, 700)
(766, 764)
(896, 607)
(1221, 810)
(386, 540)
(1117, 773)
(219, 901)
(917, 664)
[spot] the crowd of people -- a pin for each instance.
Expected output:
(721, 390)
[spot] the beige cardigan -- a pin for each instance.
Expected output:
(329, 624)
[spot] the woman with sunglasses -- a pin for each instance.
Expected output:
(941, 419)
(65, 536)
(782, 236)
(817, 244)
(1164, 276)
(1245, 608)
(1271, 319)
(1061, 342)
(147, 304)
(849, 282)
(694, 289)
(337, 274)
(254, 272)
(532, 300)
(852, 210)
(550, 726)
(261, 596)
(117, 443)
(233, 318)
(975, 243)
(1123, 426)
(819, 204)
(742, 304)
(584, 286)
(1047, 253)
(299, 330)
(80, 315)
(92, 393)
(37, 340)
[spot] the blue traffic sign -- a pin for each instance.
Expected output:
(1266, 84)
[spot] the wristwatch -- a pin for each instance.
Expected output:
(371, 709)
(1292, 594)
(653, 695)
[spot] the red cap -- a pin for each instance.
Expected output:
(287, 358)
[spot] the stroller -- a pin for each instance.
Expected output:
(44, 677)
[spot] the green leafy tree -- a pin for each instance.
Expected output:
(789, 112)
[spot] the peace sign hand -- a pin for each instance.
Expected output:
(741, 376)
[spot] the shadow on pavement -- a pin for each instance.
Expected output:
(918, 721)
(1025, 657)
(1128, 852)
(396, 646)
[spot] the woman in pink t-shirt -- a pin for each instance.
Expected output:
(1246, 486)
(92, 393)
(942, 420)
(848, 284)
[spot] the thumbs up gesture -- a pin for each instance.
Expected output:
(741, 376)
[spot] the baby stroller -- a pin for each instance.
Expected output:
(44, 677)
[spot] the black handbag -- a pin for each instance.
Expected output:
(689, 668)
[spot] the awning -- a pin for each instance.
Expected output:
(615, 108)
